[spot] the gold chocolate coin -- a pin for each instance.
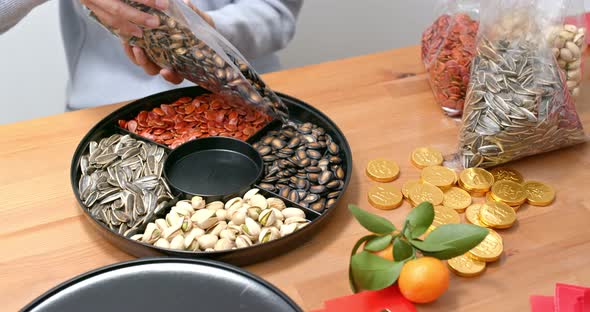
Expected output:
(408, 186)
(497, 215)
(490, 198)
(509, 192)
(476, 180)
(438, 176)
(426, 192)
(457, 199)
(423, 157)
(472, 215)
(466, 266)
(382, 170)
(539, 194)
(443, 215)
(385, 196)
(490, 249)
(504, 173)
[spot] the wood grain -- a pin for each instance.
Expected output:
(384, 105)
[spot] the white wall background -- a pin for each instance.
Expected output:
(33, 71)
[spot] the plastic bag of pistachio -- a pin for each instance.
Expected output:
(448, 46)
(518, 103)
(187, 44)
(568, 38)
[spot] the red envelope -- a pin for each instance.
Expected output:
(372, 301)
(570, 298)
(542, 303)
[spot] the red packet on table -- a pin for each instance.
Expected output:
(570, 298)
(542, 304)
(372, 301)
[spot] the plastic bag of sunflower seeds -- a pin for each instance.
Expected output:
(188, 45)
(448, 46)
(518, 103)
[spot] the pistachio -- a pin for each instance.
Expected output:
(293, 212)
(204, 218)
(194, 246)
(223, 244)
(275, 202)
(301, 225)
(576, 52)
(185, 205)
(566, 35)
(216, 205)
(295, 220)
(162, 224)
(177, 242)
(278, 224)
(172, 231)
(198, 202)
(234, 201)
(238, 218)
(566, 55)
(209, 249)
(258, 201)
(254, 212)
(251, 228)
(250, 193)
(243, 241)
(207, 241)
(234, 227)
(576, 92)
(162, 243)
(268, 234)
(278, 214)
(192, 236)
(137, 237)
(575, 75)
(187, 224)
(221, 214)
(172, 218)
(228, 234)
(287, 229)
(571, 28)
(151, 233)
(220, 226)
(574, 65)
(267, 217)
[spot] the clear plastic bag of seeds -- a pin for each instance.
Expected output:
(188, 45)
(568, 39)
(448, 46)
(518, 103)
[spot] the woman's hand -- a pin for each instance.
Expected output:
(124, 19)
(139, 57)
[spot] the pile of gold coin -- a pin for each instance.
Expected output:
(504, 191)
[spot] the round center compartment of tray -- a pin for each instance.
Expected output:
(214, 166)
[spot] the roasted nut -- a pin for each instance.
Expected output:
(277, 203)
(223, 244)
(229, 234)
(220, 226)
(293, 212)
(287, 229)
(151, 234)
(173, 218)
(177, 242)
(204, 218)
(243, 241)
(258, 201)
(234, 201)
(192, 236)
(187, 224)
(162, 224)
(207, 241)
(186, 206)
(137, 237)
(251, 228)
(295, 220)
(162, 243)
(198, 202)
(172, 231)
(267, 217)
(221, 215)
(216, 205)
(250, 194)
(254, 212)
(238, 218)
(268, 234)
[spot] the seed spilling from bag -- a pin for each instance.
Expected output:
(448, 47)
(121, 183)
(311, 170)
(517, 105)
(190, 118)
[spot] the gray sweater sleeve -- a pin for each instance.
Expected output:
(258, 27)
(12, 11)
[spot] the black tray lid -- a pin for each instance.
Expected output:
(165, 284)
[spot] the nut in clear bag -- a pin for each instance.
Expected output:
(518, 103)
(188, 45)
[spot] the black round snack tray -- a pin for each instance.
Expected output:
(164, 284)
(298, 111)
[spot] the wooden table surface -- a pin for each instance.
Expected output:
(384, 105)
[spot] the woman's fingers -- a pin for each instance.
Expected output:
(129, 51)
(171, 76)
(121, 11)
(142, 60)
(123, 27)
